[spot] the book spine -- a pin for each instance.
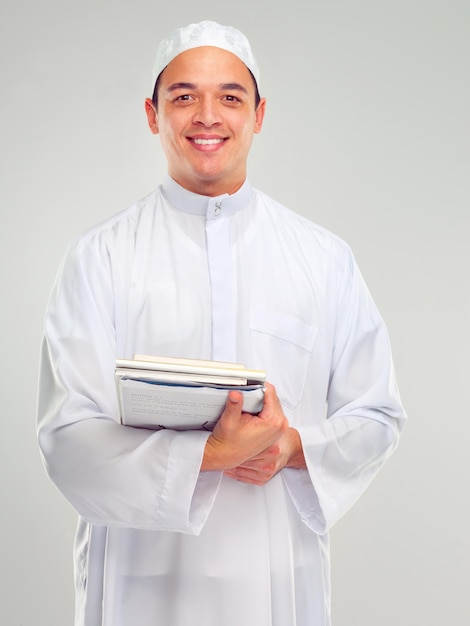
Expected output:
(257, 375)
(179, 377)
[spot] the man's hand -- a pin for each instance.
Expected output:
(285, 452)
(239, 437)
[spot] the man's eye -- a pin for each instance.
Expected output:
(231, 98)
(183, 98)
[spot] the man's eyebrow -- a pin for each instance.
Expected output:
(176, 86)
(223, 87)
(233, 87)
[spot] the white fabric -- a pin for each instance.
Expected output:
(234, 278)
(205, 33)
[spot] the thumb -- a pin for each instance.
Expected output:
(235, 398)
(234, 404)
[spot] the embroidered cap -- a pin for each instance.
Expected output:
(205, 33)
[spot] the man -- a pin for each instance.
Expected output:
(226, 528)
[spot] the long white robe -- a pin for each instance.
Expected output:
(234, 278)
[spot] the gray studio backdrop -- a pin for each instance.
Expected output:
(366, 133)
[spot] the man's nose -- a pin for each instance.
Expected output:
(207, 112)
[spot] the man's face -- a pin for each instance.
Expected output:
(206, 119)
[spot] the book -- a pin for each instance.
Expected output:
(182, 394)
(167, 360)
(157, 376)
(215, 369)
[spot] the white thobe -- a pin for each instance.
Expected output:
(234, 278)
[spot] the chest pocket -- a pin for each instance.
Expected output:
(282, 345)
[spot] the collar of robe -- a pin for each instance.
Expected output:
(212, 207)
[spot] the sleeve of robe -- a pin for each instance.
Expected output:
(364, 416)
(111, 474)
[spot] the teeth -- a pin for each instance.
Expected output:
(207, 142)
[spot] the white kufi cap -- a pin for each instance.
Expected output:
(205, 34)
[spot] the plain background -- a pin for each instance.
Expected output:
(367, 133)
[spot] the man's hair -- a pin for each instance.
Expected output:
(157, 86)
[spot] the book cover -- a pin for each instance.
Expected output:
(182, 394)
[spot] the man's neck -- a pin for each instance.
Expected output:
(210, 188)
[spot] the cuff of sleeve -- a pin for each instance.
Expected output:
(305, 498)
(188, 494)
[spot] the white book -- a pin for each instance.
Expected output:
(182, 394)
(156, 406)
(180, 361)
(179, 378)
(193, 366)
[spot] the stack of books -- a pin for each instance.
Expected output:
(182, 394)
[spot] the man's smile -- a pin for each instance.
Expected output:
(207, 142)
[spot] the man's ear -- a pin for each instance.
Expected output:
(152, 117)
(260, 111)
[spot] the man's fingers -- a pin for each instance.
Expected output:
(233, 407)
(234, 403)
(270, 397)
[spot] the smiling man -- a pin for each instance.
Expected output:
(228, 528)
(206, 128)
